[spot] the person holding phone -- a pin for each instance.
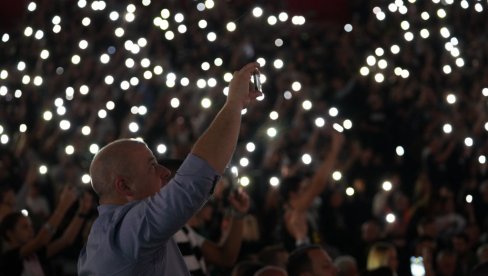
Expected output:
(141, 208)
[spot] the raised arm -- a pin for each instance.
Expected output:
(67, 198)
(225, 254)
(322, 173)
(69, 235)
(218, 142)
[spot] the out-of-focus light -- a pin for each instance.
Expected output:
(32, 6)
(114, 15)
(61, 110)
(165, 14)
(244, 181)
(283, 16)
(395, 49)
(447, 69)
(244, 162)
(257, 12)
(182, 29)
(287, 95)
(379, 77)
(211, 36)
(272, 20)
(319, 122)
(47, 115)
(86, 130)
(75, 59)
(387, 186)
(44, 54)
(184, 81)
(382, 64)
(400, 151)
(175, 102)
(3, 74)
(273, 115)
(161, 149)
(464, 4)
(484, 91)
(364, 71)
(85, 178)
(333, 111)
(347, 124)
(441, 13)
(69, 149)
(169, 35)
(94, 148)
(202, 24)
(405, 25)
(348, 28)
(460, 62)
(296, 86)
(468, 141)
(451, 98)
(424, 33)
(306, 159)
(21, 66)
(119, 32)
(425, 15)
(409, 36)
(338, 127)
(43, 169)
(350, 191)
(84, 89)
(209, 4)
(278, 63)
(250, 147)
(86, 21)
(380, 16)
(179, 17)
(206, 103)
(445, 32)
(133, 127)
(482, 159)
(23, 128)
(24, 212)
(271, 132)
(379, 51)
(278, 42)
(371, 60)
(447, 128)
(274, 181)
(307, 105)
(390, 218)
(102, 114)
(38, 81)
(201, 83)
(337, 175)
(109, 80)
(64, 124)
(469, 198)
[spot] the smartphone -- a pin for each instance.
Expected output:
(257, 81)
(417, 266)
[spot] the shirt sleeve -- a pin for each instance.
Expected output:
(154, 220)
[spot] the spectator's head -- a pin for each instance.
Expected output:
(246, 268)
(126, 170)
(7, 196)
(446, 262)
(370, 231)
(346, 266)
(460, 243)
(271, 271)
(16, 229)
(275, 255)
(424, 243)
(310, 260)
(427, 227)
(482, 253)
(382, 254)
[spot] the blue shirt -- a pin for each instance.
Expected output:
(136, 238)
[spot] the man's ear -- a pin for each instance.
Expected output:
(122, 187)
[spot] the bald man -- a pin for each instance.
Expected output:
(141, 208)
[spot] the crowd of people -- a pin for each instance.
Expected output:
(385, 207)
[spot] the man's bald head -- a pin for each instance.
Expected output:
(113, 160)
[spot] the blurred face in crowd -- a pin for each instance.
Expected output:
(8, 198)
(321, 263)
(21, 233)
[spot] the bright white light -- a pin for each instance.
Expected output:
(306, 159)
(425, 15)
(371, 60)
(133, 127)
(244, 181)
(350, 191)
(451, 98)
(69, 150)
(201, 83)
(347, 124)
(161, 148)
(21, 66)
(37, 81)
(23, 128)
(84, 89)
(272, 20)
(274, 181)
(447, 128)
(24, 212)
(119, 32)
(64, 124)
(114, 16)
(485, 92)
(482, 159)
(287, 95)
(102, 114)
(460, 62)
(3, 74)
(405, 25)
(278, 63)
(169, 35)
(182, 29)
(209, 4)
(468, 141)
(405, 73)
(61, 110)
(175, 102)
(382, 64)
(47, 115)
(424, 33)
(129, 63)
(32, 6)
(250, 147)
(129, 17)
(395, 49)
(25, 79)
(257, 12)
(338, 127)
(211, 36)
(86, 21)
(44, 54)
(348, 28)
(179, 17)
(400, 151)
(165, 14)
(86, 130)
(184, 81)
(42, 169)
(273, 115)
(75, 59)
(227, 77)
(296, 86)
(205, 66)
(283, 16)
(441, 13)
(445, 32)
(390, 218)
(337, 175)
(469, 198)
(478, 7)
(279, 42)
(409, 36)
(319, 122)
(244, 162)
(307, 105)
(387, 186)
(202, 24)
(447, 69)
(271, 132)
(85, 179)
(364, 71)
(4, 139)
(206, 103)
(381, 16)
(464, 4)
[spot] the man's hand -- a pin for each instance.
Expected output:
(240, 90)
(240, 201)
